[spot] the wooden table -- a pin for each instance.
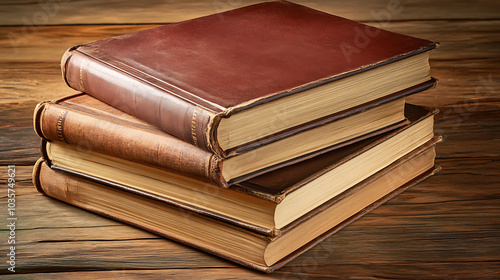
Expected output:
(447, 227)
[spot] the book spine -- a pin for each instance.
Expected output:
(58, 184)
(139, 97)
(117, 138)
(36, 175)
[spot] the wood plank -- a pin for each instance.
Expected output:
(194, 274)
(479, 172)
(440, 223)
(474, 84)
(112, 255)
(399, 270)
(48, 43)
(468, 134)
(461, 40)
(59, 12)
(458, 40)
(439, 270)
(18, 142)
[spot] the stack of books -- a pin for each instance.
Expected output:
(252, 134)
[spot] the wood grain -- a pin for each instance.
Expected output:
(62, 12)
(436, 224)
(447, 227)
(462, 40)
(456, 270)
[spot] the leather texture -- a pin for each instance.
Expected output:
(90, 124)
(85, 122)
(184, 77)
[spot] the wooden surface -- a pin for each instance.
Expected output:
(447, 227)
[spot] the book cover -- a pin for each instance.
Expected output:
(210, 80)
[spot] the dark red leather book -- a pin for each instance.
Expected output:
(225, 81)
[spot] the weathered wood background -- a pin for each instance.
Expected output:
(447, 227)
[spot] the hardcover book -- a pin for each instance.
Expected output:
(238, 244)
(257, 73)
(266, 203)
(84, 121)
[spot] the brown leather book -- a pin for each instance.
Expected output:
(88, 123)
(225, 240)
(267, 203)
(228, 80)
